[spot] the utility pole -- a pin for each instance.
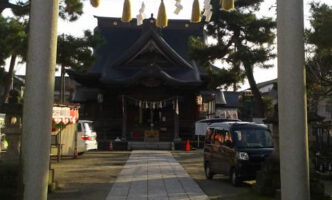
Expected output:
(38, 98)
(294, 157)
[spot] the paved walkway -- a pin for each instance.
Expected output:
(154, 175)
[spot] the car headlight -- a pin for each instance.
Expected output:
(242, 156)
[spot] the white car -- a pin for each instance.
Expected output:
(86, 136)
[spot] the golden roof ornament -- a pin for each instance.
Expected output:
(196, 15)
(126, 13)
(162, 20)
(95, 3)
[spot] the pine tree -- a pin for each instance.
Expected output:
(319, 63)
(69, 9)
(77, 53)
(13, 43)
(242, 40)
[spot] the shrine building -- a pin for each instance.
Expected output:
(143, 87)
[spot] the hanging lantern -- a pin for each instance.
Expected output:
(162, 20)
(196, 13)
(227, 4)
(95, 3)
(126, 13)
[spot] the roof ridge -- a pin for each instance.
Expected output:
(143, 41)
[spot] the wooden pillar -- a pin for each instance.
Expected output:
(124, 118)
(38, 98)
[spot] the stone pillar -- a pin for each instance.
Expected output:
(124, 119)
(294, 157)
(13, 130)
(38, 98)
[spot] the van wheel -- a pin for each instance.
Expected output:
(234, 178)
(208, 173)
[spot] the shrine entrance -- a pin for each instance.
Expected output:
(150, 120)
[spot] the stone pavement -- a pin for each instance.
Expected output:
(154, 175)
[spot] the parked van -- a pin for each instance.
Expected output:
(201, 125)
(86, 136)
(236, 149)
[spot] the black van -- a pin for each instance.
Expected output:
(236, 149)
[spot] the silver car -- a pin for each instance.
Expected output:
(86, 136)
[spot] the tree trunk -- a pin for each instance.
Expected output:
(9, 79)
(259, 105)
(234, 87)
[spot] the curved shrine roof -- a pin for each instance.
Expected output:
(143, 54)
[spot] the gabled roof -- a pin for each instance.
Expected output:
(150, 57)
(151, 40)
(134, 54)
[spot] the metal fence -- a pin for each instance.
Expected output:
(321, 148)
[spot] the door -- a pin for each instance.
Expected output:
(208, 145)
(220, 154)
(229, 154)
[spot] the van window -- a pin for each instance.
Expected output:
(222, 136)
(252, 137)
(213, 139)
(219, 137)
(208, 135)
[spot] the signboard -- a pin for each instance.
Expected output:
(64, 115)
(200, 128)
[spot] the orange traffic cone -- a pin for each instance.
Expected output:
(110, 146)
(187, 145)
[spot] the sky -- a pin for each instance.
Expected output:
(113, 8)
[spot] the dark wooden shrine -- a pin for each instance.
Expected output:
(143, 86)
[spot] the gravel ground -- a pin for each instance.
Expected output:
(89, 177)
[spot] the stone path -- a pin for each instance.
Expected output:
(154, 175)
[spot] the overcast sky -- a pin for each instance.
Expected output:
(113, 8)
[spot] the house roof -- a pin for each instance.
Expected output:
(232, 99)
(133, 54)
(265, 83)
